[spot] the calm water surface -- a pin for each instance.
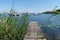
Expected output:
(51, 28)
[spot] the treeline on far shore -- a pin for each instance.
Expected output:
(52, 12)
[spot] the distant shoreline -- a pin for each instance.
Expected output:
(52, 12)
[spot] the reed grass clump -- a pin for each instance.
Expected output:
(13, 27)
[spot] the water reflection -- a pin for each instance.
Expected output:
(50, 26)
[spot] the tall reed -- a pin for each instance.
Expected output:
(13, 27)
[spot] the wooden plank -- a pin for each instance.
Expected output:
(34, 32)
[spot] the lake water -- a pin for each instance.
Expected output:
(43, 18)
(49, 26)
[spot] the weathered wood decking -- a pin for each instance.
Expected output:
(34, 32)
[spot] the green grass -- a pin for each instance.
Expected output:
(10, 29)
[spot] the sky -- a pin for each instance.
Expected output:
(31, 6)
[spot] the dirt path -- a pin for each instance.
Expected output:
(34, 32)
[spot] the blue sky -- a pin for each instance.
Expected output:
(35, 6)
